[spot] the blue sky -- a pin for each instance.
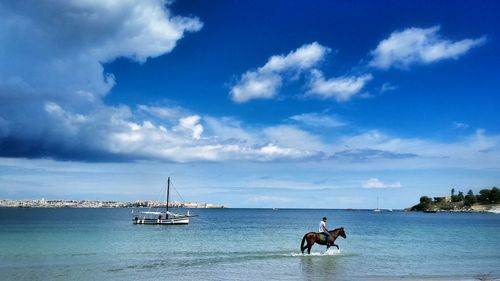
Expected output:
(249, 103)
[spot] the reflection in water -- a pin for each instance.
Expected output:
(324, 267)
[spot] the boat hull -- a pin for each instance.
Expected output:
(161, 221)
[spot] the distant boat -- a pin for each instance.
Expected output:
(158, 217)
(390, 210)
(377, 210)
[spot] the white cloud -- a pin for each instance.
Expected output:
(475, 150)
(191, 123)
(58, 47)
(164, 112)
(317, 120)
(52, 68)
(114, 133)
(52, 86)
(303, 58)
(419, 46)
(293, 137)
(339, 88)
(264, 82)
(386, 87)
(460, 125)
(376, 183)
(272, 151)
(254, 85)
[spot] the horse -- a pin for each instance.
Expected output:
(315, 237)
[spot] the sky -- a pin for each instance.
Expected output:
(249, 103)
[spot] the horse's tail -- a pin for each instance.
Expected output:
(302, 248)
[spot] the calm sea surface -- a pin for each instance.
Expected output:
(246, 244)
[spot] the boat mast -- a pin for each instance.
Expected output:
(168, 191)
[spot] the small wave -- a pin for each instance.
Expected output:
(494, 211)
(330, 252)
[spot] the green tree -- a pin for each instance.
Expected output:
(469, 199)
(460, 196)
(452, 192)
(495, 195)
(425, 203)
(455, 198)
(484, 196)
(425, 200)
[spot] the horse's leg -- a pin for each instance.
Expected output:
(336, 246)
(309, 246)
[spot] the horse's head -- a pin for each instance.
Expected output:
(342, 233)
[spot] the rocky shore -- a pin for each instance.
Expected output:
(488, 200)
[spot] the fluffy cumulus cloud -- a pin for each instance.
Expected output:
(265, 81)
(191, 124)
(419, 46)
(52, 85)
(52, 79)
(340, 88)
(376, 183)
(178, 139)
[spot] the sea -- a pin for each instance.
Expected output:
(247, 244)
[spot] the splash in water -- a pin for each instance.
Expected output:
(330, 252)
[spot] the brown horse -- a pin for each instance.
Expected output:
(315, 237)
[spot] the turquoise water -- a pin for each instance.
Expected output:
(246, 244)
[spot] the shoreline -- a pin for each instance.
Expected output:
(476, 208)
(64, 203)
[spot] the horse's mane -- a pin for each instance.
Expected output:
(332, 231)
(336, 229)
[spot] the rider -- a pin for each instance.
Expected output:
(324, 230)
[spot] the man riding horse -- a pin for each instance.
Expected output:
(323, 237)
(323, 229)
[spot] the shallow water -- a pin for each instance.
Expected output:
(246, 244)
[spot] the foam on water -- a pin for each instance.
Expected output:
(330, 252)
(495, 211)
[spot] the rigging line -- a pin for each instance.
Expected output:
(209, 222)
(161, 193)
(159, 199)
(178, 194)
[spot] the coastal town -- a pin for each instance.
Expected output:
(61, 203)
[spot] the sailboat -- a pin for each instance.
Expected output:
(166, 217)
(377, 210)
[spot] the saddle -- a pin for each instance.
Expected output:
(322, 237)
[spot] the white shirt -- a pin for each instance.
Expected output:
(322, 226)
